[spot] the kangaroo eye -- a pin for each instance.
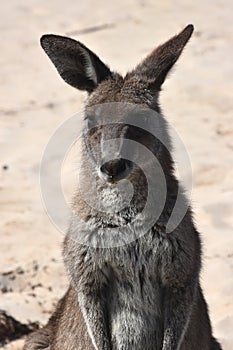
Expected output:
(90, 124)
(90, 121)
(137, 135)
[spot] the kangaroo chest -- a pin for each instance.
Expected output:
(135, 311)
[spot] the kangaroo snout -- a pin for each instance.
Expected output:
(115, 170)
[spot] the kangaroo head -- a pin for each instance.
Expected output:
(116, 102)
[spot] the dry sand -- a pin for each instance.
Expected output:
(197, 100)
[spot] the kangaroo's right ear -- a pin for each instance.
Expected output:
(75, 63)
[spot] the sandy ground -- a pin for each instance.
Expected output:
(197, 100)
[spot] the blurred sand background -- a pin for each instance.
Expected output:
(197, 99)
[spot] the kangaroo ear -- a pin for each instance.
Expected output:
(154, 69)
(75, 63)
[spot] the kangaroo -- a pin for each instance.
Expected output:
(144, 294)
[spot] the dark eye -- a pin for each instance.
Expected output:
(90, 121)
(136, 133)
(137, 136)
(91, 124)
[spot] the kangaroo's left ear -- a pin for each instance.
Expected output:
(154, 69)
(75, 63)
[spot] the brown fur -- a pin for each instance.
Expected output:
(144, 295)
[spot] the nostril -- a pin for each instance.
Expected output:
(114, 167)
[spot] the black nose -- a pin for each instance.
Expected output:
(115, 169)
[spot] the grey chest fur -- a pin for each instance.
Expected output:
(135, 316)
(134, 300)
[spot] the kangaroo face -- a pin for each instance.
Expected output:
(119, 126)
(111, 137)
